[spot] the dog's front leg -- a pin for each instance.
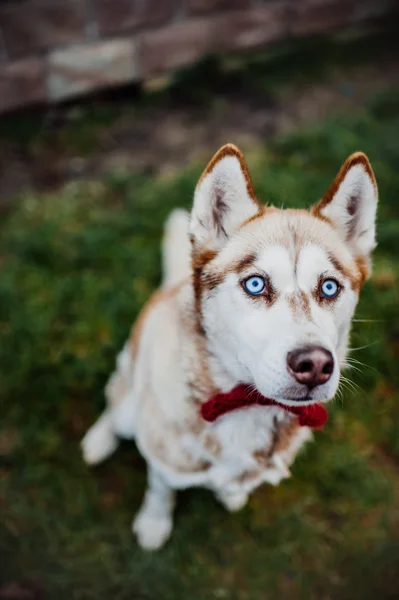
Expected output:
(154, 520)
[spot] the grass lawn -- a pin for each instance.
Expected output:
(77, 266)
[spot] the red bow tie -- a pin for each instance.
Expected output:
(314, 415)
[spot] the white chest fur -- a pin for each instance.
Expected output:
(231, 447)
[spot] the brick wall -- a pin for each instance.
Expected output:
(53, 50)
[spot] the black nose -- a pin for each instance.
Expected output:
(310, 365)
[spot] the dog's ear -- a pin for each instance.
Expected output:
(350, 204)
(224, 199)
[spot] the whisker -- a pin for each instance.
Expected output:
(348, 365)
(355, 360)
(350, 360)
(350, 385)
(339, 395)
(351, 390)
(367, 320)
(366, 346)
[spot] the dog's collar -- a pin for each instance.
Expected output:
(314, 415)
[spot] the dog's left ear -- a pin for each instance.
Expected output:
(351, 204)
(224, 199)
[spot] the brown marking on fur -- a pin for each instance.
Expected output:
(299, 304)
(356, 276)
(275, 437)
(304, 303)
(263, 211)
(358, 158)
(219, 209)
(232, 150)
(157, 297)
(263, 458)
(298, 240)
(197, 467)
(363, 269)
(296, 245)
(169, 448)
(287, 431)
(291, 300)
(248, 476)
(211, 280)
(198, 391)
(283, 432)
(212, 445)
(351, 207)
(186, 463)
(200, 260)
(323, 218)
(338, 266)
(243, 263)
(200, 383)
(353, 201)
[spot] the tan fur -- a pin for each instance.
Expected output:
(263, 210)
(299, 304)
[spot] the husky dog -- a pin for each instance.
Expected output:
(263, 297)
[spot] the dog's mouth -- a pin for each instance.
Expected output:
(302, 396)
(307, 398)
(304, 400)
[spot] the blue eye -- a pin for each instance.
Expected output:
(329, 288)
(255, 285)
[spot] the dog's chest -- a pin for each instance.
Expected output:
(241, 447)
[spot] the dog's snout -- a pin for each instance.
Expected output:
(310, 365)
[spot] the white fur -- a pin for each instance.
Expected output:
(153, 522)
(100, 441)
(361, 235)
(151, 396)
(176, 249)
(262, 361)
(225, 183)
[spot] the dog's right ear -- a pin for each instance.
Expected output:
(224, 199)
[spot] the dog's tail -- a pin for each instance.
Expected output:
(176, 249)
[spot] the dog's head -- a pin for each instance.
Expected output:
(276, 289)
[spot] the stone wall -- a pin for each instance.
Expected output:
(53, 50)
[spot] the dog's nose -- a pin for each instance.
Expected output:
(310, 365)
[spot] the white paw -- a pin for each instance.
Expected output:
(152, 532)
(99, 442)
(233, 502)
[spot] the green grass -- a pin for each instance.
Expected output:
(76, 268)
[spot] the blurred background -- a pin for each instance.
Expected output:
(109, 111)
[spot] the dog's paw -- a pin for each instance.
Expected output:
(98, 443)
(151, 532)
(233, 502)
